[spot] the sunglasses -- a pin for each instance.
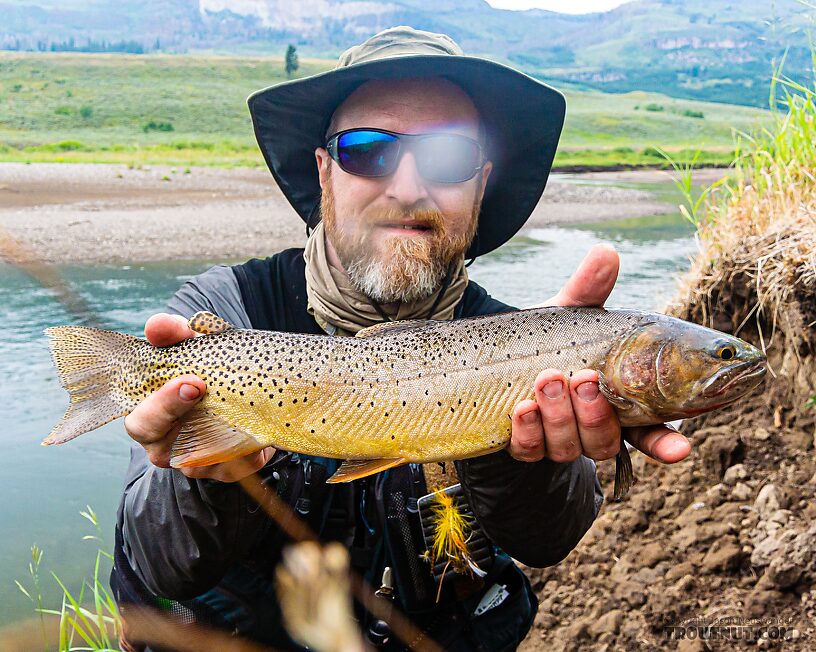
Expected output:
(440, 158)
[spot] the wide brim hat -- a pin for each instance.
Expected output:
(522, 116)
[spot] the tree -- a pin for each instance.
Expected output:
(291, 64)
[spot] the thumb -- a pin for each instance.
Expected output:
(155, 416)
(164, 329)
(592, 282)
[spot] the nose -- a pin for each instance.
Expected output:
(405, 185)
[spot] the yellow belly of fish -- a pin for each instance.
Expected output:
(452, 416)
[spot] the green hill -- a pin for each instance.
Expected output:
(192, 110)
(713, 50)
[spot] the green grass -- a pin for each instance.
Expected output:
(89, 619)
(191, 110)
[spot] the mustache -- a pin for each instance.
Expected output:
(424, 217)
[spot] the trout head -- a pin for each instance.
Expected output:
(671, 369)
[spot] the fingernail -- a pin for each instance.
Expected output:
(529, 418)
(587, 391)
(676, 448)
(553, 389)
(188, 392)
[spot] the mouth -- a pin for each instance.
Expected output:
(744, 375)
(407, 228)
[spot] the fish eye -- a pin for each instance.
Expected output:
(727, 352)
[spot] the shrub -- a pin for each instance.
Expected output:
(653, 152)
(86, 112)
(654, 107)
(158, 126)
(691, 113)
(61, 146)
(63, 110)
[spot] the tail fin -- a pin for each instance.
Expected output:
(85, 360)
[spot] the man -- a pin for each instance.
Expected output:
(406, 159)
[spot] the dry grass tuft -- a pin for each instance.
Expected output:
(755, 275)
(759, 230)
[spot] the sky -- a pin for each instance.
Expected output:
(562, 6)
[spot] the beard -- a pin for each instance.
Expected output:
(403, 269)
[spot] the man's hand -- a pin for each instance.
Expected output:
(570, 417)
(155, 422)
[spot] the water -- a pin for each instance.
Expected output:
(43, 489)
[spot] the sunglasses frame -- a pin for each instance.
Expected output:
(333, 140)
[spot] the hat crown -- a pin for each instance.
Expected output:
(402, 41)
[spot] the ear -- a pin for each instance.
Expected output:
(324, 162)
(487, 168)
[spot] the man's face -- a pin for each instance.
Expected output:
(366, 218)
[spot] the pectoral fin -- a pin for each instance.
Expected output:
(619, 402)
(206, 323)
(624, 475)
(356, 469)
(205, 439)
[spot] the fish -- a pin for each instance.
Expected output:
(399, 392)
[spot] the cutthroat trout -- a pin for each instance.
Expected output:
(417, 391)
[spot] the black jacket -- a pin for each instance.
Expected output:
(182, 535)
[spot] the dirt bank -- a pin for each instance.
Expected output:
(717, 552)
(110, 213)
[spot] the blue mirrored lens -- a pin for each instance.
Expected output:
(367, 153)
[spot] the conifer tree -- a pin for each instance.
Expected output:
(291, 64)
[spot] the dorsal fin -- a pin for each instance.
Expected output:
(206, 323)
(391, 327)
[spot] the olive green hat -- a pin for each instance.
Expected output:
(523, 119)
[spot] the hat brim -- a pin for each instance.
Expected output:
(523, 118)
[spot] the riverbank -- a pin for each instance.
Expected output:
(85, 213)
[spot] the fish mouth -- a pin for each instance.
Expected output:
(745, 374)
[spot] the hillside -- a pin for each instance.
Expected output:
(715, 50)
(192, 109)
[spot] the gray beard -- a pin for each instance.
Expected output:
(380, 280)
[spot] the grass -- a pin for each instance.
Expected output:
(191, 110)
(756, 230)
(88, 620)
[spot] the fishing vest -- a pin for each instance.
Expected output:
(375, 518)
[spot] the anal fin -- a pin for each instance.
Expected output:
(206, 323)
(356, 469)
(206, 439)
